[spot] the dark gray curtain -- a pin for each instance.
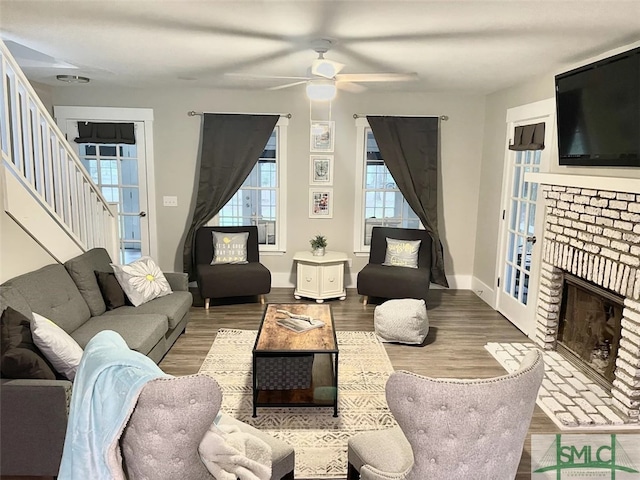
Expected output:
(93, 132)
(231, 145)
(409, 148)
(528, 137)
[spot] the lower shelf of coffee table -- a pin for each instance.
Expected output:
(322, 392)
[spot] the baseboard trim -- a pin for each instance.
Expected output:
(484, 291)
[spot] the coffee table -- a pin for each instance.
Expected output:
(295, 369)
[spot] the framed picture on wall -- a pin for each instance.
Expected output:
(320, 202)
(321, 170)
(322, 136)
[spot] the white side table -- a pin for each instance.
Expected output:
(320, 277)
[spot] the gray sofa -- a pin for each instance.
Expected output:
(33, 413)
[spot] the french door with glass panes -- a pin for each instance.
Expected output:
(114, 168)
(120, 171)
(522, 217)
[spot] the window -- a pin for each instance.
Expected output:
(378, 199)
(261, 199)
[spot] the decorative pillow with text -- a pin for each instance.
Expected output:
(229, 247)
(402, 253)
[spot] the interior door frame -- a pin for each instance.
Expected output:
(535, 112)
(63, 114)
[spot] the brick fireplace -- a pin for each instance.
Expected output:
(594, 235)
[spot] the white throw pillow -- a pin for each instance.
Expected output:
(62, 351)
(141, 280)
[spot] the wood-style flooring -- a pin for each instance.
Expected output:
(460, 325)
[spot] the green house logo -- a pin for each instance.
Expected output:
(584, 456)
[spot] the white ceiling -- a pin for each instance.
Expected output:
(469, 46)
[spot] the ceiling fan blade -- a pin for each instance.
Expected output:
(287, 85)
(377, 77)
(257, 75)
(350, 87)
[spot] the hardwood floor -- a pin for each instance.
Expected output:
(460, 325)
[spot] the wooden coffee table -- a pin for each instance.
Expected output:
(295, 369)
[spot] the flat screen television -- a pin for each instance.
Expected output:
(598, 113)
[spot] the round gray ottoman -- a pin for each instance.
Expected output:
(401, 320)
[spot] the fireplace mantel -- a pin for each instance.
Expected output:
(614, 184)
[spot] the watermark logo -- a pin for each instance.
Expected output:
(589, 456)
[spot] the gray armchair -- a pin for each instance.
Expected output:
(448, 428)
(169, 421)
(230, 280)
(377, 280)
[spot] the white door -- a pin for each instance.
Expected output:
(121, 172)
(522, 217)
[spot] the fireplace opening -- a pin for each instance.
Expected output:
(590, 328)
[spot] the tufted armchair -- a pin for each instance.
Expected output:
(170, 419)
(449, 428)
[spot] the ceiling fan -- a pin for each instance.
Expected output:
(325, 77)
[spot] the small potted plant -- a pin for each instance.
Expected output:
(318, 244)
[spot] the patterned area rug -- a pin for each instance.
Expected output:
(320, 439)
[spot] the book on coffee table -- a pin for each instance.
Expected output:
(300, 326)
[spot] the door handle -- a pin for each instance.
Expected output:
(532, 239)
(143, 214)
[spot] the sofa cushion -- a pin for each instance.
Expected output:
(174, 307)
(19, 356)
(141, 331)
(11, 297)
(82, 268)
(51, 292)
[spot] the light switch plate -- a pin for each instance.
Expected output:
(170, 201)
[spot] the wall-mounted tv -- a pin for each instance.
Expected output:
(598, 113)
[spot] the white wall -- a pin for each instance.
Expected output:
(19, 253)
(176, 143)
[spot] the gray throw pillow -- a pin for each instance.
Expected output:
(402, 253)
(229, 247)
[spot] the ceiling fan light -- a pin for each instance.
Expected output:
(321, 90)
(324, 68)
(73, 79)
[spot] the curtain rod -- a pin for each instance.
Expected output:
(193, 113)
(441, 117)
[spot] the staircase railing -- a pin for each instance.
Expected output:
(40, 167)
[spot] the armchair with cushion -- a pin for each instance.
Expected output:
(451, 428)
(168, 424)
(385, 281)
(229, 279)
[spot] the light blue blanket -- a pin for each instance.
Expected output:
(105, 391)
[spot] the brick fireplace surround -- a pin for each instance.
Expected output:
(594, 234)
